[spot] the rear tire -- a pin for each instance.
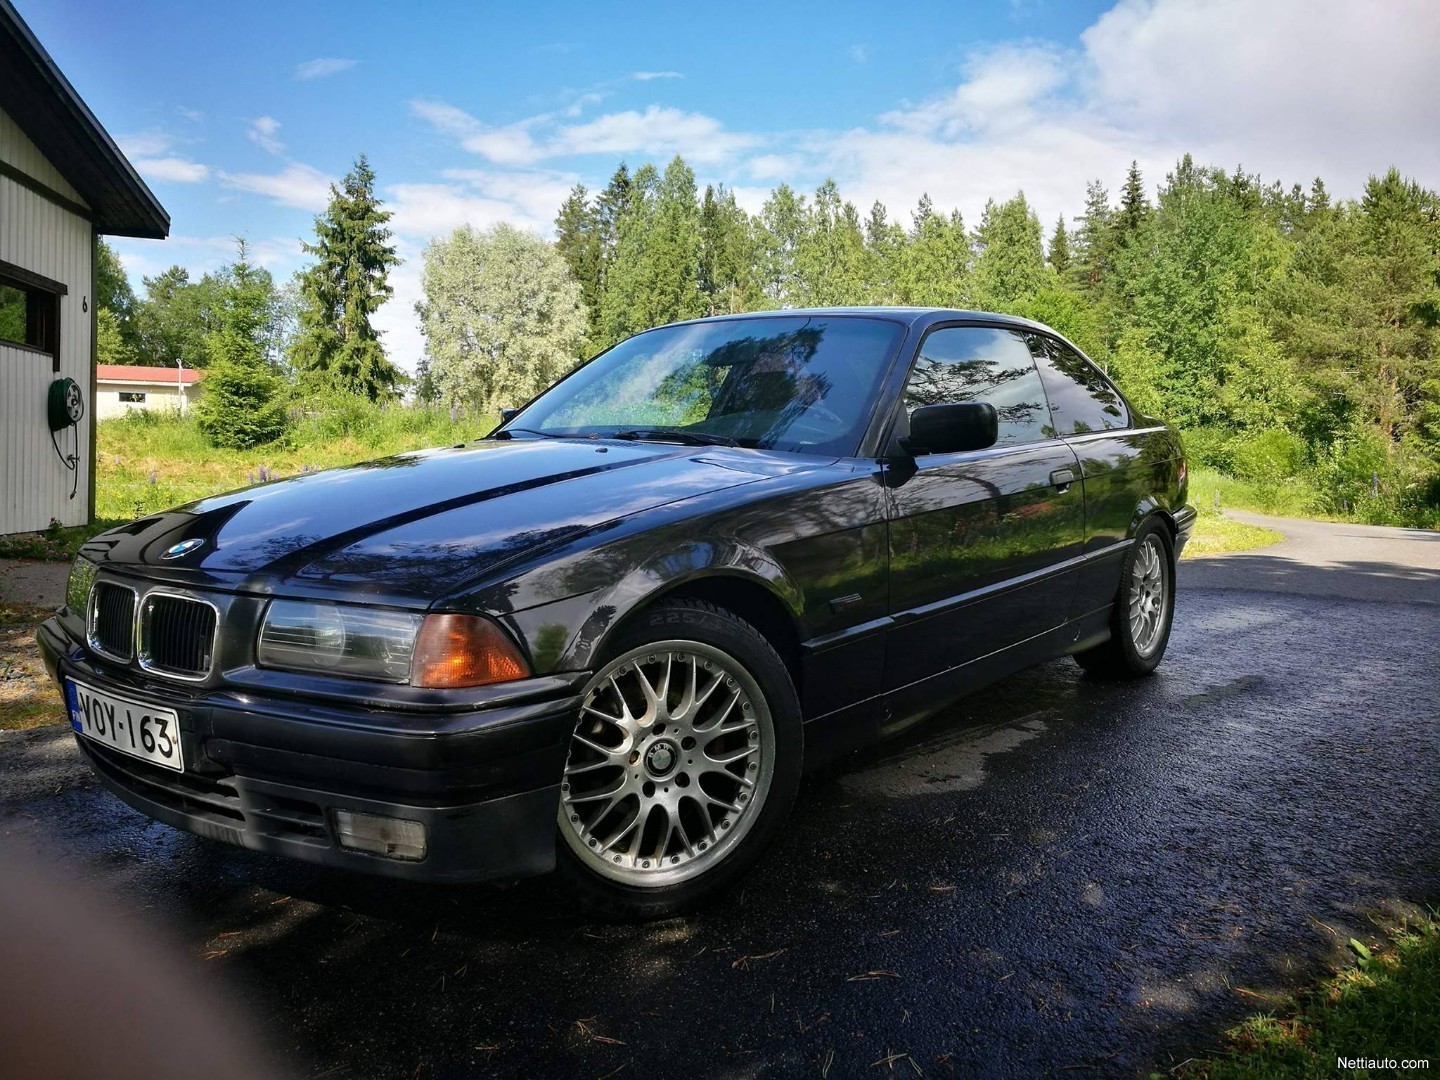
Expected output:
(683, 767)
(1144, 609)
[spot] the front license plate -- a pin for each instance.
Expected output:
(132, 727)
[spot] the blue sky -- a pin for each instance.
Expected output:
(239, 117)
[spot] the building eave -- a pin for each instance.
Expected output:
(40, 99)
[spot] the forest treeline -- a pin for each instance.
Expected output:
(1294, 337)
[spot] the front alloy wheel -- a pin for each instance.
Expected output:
(683, 762)
(669, 765)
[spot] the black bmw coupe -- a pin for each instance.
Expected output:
(608, 638)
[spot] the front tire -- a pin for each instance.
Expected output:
(1144, 609)
(684, 763)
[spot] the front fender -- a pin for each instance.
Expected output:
(587, 623)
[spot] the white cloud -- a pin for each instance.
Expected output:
(657, 132)
(1289, 88)
(777, 167)
(322, 67)
(647, 76)
(145, 144)
(176, 170)
(1295, 87)
(859, 53)
(263, 130)
(1003, 87)
(301, 186)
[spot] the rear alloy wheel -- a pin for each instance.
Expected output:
(684, 760)
(1144, 609)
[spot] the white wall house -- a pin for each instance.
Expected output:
(119, 388)
(63, 182)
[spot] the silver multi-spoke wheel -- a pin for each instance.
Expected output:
(1149, 595)
(669, 764)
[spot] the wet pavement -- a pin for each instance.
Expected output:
(1056, 878)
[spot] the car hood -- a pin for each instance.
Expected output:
(417, 526)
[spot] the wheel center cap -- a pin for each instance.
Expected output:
(661, 758)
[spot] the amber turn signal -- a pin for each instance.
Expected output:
(464, 650)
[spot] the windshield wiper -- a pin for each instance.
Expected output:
(687, 438)
(507, 433)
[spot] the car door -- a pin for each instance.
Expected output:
(978, 539)
(1092, 417)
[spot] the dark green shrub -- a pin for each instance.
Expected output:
(242, 406)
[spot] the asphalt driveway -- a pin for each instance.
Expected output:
(1058, 877)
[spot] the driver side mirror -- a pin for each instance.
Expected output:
(949, 429)
(506, 415)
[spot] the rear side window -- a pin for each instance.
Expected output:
(1081, 399)
(980, 363)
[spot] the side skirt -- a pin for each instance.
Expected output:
(837, 733)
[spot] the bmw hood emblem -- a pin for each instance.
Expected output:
(184, 547)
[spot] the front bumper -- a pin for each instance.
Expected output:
(268, 772)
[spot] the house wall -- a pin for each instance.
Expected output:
(158, 397)
(46, 239)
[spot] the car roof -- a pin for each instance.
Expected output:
(907, 315)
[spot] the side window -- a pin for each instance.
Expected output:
(978, 363)
(1081, 399)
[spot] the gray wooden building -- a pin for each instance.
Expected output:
(63, 182)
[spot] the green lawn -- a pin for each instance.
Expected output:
(1216, 534)
(148, 461)
(1387, 1007)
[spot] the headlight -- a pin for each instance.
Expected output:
(371, 643)
(77, 588)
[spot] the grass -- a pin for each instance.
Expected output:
(28, 698)
(1214, 491)
(1216, 534)
(55, 544)
(1386, 1007)
(152, 461)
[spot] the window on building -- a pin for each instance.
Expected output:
(132, 397)
(29, 314)
(978, 363)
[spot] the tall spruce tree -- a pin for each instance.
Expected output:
(727, 258)
(782, 221)
(885, 243)
(830, 256)
(1094, 239)
(243, 404)
(937, 258)
(337, 348)
(1134, 206)
(1010, 266)
(626, 272)
(1059, 257)
(579, 242)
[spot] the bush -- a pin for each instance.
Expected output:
(1210, 448)
(242, 406)
(340, 417)
(1268, 457)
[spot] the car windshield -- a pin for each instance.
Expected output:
(797, 383)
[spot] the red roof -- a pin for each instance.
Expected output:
(137, 373)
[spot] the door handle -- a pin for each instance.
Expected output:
(1062, 479)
